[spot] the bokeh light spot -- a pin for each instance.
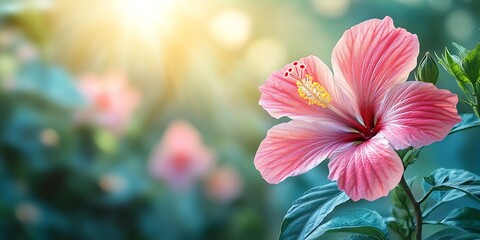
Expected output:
(27, 213)
(333, 9)
(460, 24)
(49, 137)
(440, 5)
(231, 28)
(113, 183)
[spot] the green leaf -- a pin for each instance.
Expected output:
(466, 218)
(453, 234)
(443, 181)
(456, 69)
(399, 229)
(400, 198)
(461, 50)
(402, 153)
(469, 120)
(471, 64)
(472, 188)
(360, 221)
(408, 155)
(308, 211)
(403, 212)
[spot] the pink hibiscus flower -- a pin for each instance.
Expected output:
(358, 116)
(181, 158)
(111, 101)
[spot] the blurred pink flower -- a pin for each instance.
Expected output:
(357, 116)
(181, 158)
(224, 184)
(111, 101)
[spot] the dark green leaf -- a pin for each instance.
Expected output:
(402, 211)
(453, 234)
(308, 212)
(358, 237)
(400, 198)
(466, 218)
(469, 120)
(471, 64)
(471, 188)
(360, 221)
(399, 229)
(446, 182)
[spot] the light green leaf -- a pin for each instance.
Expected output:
(471, 64)
(469, 120)
(408, 155)
(455, 69)
(360, 221)
(461, 50)
(308, 211)
(453, 234)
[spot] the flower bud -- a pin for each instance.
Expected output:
(427, 70)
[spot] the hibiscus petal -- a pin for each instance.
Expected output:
(372, 56)
(280, 95)
(417, 114)
(295, 147)
(368, 170)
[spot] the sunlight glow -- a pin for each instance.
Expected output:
(145, 15)
(258, 63)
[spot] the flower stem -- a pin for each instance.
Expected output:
(416, 208)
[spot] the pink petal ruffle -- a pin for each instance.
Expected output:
(372, 56)
(417, 114)
(368, 170)
(295, 147)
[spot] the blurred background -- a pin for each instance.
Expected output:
(124, 119)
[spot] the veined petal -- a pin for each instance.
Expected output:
(372, 56)
(295, 147)
(417, 114)
(368, 170)
(280, 94)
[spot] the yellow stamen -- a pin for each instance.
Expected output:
(313, 92)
